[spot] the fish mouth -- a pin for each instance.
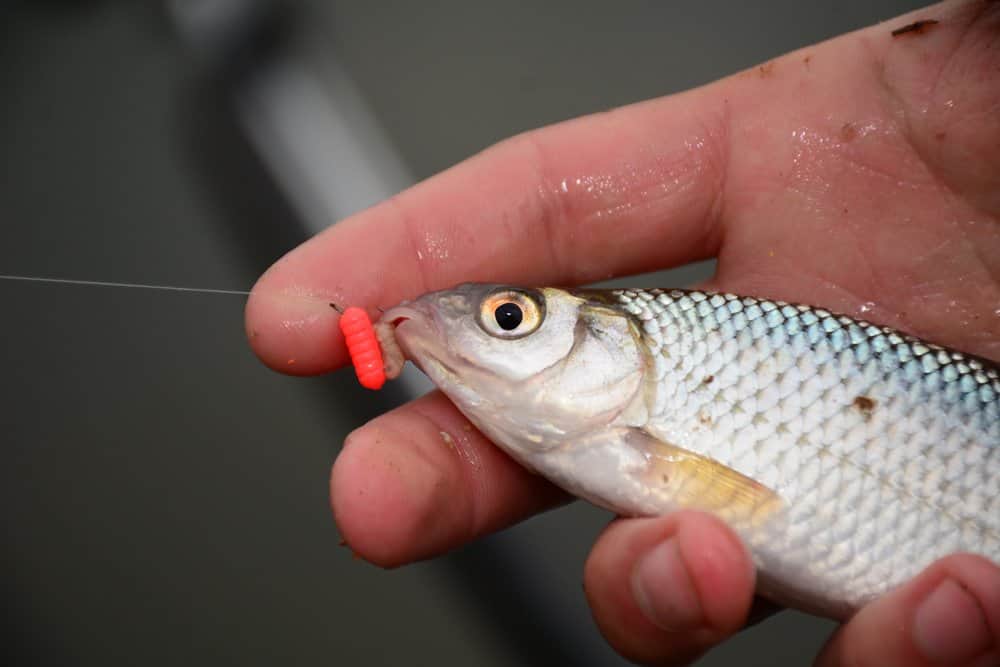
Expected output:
(418, 335)
(411, 319)
(422, 340)
(405, 312)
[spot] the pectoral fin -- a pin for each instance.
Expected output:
(690, 480)
(632, 472)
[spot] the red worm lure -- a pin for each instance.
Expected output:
(362, 344)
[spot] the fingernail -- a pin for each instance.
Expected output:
(949, 627)
(664, 591)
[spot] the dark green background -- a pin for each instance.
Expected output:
(164, 497)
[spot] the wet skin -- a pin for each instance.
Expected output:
(861, 175)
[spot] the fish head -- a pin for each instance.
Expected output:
(534, 369)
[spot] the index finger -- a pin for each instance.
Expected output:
(568, 204)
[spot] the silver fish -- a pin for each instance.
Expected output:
(846, 455)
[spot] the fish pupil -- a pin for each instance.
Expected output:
(508, 316)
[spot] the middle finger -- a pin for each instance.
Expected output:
(421, 480)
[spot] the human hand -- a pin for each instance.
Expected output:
(861, 175)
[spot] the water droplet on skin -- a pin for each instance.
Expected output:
(435, 246)
(299, 324)
(867, 307)
(448, 440)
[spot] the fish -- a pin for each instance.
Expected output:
(846, 455)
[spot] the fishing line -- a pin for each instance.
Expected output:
(280, 295)
(364, 344)
(103, 283)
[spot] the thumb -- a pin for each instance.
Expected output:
(949, 615)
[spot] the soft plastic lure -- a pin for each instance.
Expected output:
(362, 345)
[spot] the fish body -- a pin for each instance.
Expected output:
(846, 455)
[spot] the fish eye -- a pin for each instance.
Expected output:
(509, 316)
(510, 313)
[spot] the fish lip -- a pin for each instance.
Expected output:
(415, 329)
(422, 340)
(414, 312)
(404, 311)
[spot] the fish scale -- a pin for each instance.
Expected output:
(885, 449)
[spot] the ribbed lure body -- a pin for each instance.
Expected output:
(363, 346)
